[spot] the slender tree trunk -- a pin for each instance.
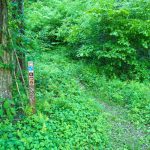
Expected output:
(21, 15)
(18, 16)
(5, 57)
(21, 32)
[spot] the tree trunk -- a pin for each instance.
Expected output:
(18, 16)
(21, 31)
(5, 56)
(21, 15)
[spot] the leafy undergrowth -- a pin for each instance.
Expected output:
(133, 95)
(67, 118)
(76, 109)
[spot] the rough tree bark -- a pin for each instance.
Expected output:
(5, 56)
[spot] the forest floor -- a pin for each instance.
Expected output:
(124, 135)
(123, 131)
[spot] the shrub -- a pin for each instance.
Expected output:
(114, 34)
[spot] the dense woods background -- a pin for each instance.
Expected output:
(92, 66)
(114, 34)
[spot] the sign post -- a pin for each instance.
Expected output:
(31, 84)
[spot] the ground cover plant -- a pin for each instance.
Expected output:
(91, 73)
(66, 117)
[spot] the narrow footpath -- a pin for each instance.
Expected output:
(124, 135)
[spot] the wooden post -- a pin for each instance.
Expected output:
(31, 84)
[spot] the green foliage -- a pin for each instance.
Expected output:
(115, 34)
(132, 95)
(67, 118)
(16, 27)
(41, 132)
(7, 109)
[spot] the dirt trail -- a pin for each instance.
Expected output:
(125, 136)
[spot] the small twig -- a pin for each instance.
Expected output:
(17, 84)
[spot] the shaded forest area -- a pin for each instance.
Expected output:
(92, 73)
